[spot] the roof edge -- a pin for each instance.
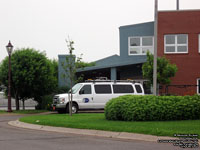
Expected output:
(135, 24)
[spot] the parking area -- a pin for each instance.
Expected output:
(29, 104)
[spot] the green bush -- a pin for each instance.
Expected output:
(45, 103)
(47, 100)
(150, 108)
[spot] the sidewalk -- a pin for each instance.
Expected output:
(108, 134)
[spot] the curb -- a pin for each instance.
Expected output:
(98, 133)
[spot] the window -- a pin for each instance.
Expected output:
(138, 88)
(86, 89)
(199, 43)
(140, 45)
(123, 89)
(176, 43)
(198, 86)
(102, 89)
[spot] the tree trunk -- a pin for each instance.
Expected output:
(17, 102)
(70, 100)
(23, 102)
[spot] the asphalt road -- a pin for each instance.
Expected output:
(12, 138)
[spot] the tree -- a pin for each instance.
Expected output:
(81, 64)
(32, 75)
(165, 70)
(70, 70)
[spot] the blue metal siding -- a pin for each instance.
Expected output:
(63, 75)
(144, 29)
(113, 73)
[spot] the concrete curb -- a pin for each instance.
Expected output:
(108, 134)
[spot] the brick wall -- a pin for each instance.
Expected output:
(182, 22)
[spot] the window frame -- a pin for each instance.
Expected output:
(141, 46)
(175, 44)
(199, 43)
(198, 86)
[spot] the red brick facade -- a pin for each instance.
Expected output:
(182, 22)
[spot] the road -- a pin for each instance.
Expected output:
(12, 138)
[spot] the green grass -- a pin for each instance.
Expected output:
(98, 122)
(29, 111)
(2, 112)
(23, 111)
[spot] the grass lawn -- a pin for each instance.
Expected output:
(2, 112)
(98, 122)
(23, 111)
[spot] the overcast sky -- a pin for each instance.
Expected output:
(92, 24)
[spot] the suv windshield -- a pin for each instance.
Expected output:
(75, 88)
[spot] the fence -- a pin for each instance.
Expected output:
(181, 89)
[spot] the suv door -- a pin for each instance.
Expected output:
(85, 97)
(102, 94)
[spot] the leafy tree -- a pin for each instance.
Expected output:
(81, 64)
(165, 70)
(33, 75)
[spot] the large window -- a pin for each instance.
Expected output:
(176, 43)
(140, 45)
(102, 89)
(119, 89)
(86, 89)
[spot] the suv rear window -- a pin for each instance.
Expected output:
(102, 89)
(123, 89)
(138, 88)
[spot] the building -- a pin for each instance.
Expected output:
(178, 40)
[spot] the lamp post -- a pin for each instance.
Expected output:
(9, 48)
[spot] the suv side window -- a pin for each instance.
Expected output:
(138, 88)
(86, 89)
(123, 89)
(102, 89)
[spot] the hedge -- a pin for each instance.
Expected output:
(151, 108)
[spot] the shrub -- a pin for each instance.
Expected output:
(150, 108)
(47, 100)
(45, 103)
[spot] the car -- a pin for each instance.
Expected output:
(94, 94)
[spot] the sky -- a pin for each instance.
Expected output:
(93, 25)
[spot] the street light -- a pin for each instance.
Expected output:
(9, 48)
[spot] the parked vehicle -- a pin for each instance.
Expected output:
(94, 94)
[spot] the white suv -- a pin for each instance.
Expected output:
(95, 94)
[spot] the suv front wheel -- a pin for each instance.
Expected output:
(74, 108)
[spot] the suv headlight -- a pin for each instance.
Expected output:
(62, 100)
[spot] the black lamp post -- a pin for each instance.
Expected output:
(9, 48)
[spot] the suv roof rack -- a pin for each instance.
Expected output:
(128, 81)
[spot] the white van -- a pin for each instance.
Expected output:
(95, 94)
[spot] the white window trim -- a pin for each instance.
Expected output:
(140, 47)
(198, 86)
(199, 43)
(176, 45)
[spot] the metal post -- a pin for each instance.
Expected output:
(9, 84)
(177, 4)
(155, 49)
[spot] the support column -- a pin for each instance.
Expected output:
(113, 73)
